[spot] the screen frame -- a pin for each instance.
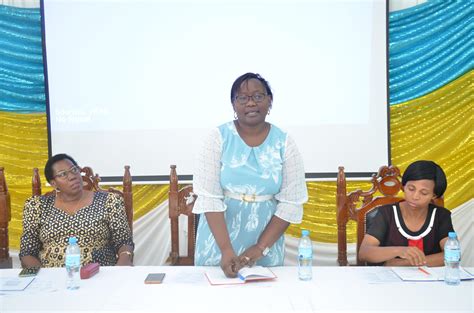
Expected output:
(162, 179)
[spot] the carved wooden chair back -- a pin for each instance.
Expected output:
(181, 201)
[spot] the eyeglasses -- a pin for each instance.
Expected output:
(243, 99)
(64, 174)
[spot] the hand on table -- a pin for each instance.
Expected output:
(415, 256)
(230, 264)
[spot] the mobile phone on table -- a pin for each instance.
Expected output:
(154, 278)
(29, 271)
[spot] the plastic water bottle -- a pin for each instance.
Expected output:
(73, 263)
(452, 257)
(305, 256)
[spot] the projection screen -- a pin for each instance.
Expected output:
(140, 83)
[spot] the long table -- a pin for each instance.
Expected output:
(186, 289)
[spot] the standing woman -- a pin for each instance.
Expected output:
(97, 219)
(250, 184)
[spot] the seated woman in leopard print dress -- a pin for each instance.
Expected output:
(97, 219)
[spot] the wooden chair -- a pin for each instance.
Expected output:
(5, 217)
(91, 182)
(387, 182)
(181, 201)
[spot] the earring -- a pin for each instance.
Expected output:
(268, 113)
(57, 190)
(235, 115)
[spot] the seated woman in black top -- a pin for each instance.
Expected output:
(412, 232)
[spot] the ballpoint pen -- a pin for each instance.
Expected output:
(423, 270)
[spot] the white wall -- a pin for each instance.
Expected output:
(395, 5)
(21, 3)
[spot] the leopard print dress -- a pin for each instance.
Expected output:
(101, 229)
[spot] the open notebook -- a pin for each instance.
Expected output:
(216, 276)
(424, 273)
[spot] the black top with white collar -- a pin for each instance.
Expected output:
(389, 228)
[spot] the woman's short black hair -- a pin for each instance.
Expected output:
(48, 168)
(426, 170)
(247, 76)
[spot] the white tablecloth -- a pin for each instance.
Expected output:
(185, 289)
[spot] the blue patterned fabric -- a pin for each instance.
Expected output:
(246, 170)
(430, 45)
(21, 61)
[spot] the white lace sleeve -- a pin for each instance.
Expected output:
(206, 179)
(293, 193)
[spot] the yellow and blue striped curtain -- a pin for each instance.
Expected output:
(430, 64)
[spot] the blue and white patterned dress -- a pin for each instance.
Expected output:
(228, 164)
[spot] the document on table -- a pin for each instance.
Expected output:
(424, 273)
(380, 275)
(15, 283)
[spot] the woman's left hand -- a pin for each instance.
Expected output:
(250, 256)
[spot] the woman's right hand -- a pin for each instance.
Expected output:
(415, 256)
(30, 261)
(230, 263)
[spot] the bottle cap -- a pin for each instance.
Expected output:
(452, 234)
(72, 240)
(305, 232)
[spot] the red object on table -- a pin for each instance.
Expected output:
(89, 270)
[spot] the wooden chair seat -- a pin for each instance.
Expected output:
(181, 201)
